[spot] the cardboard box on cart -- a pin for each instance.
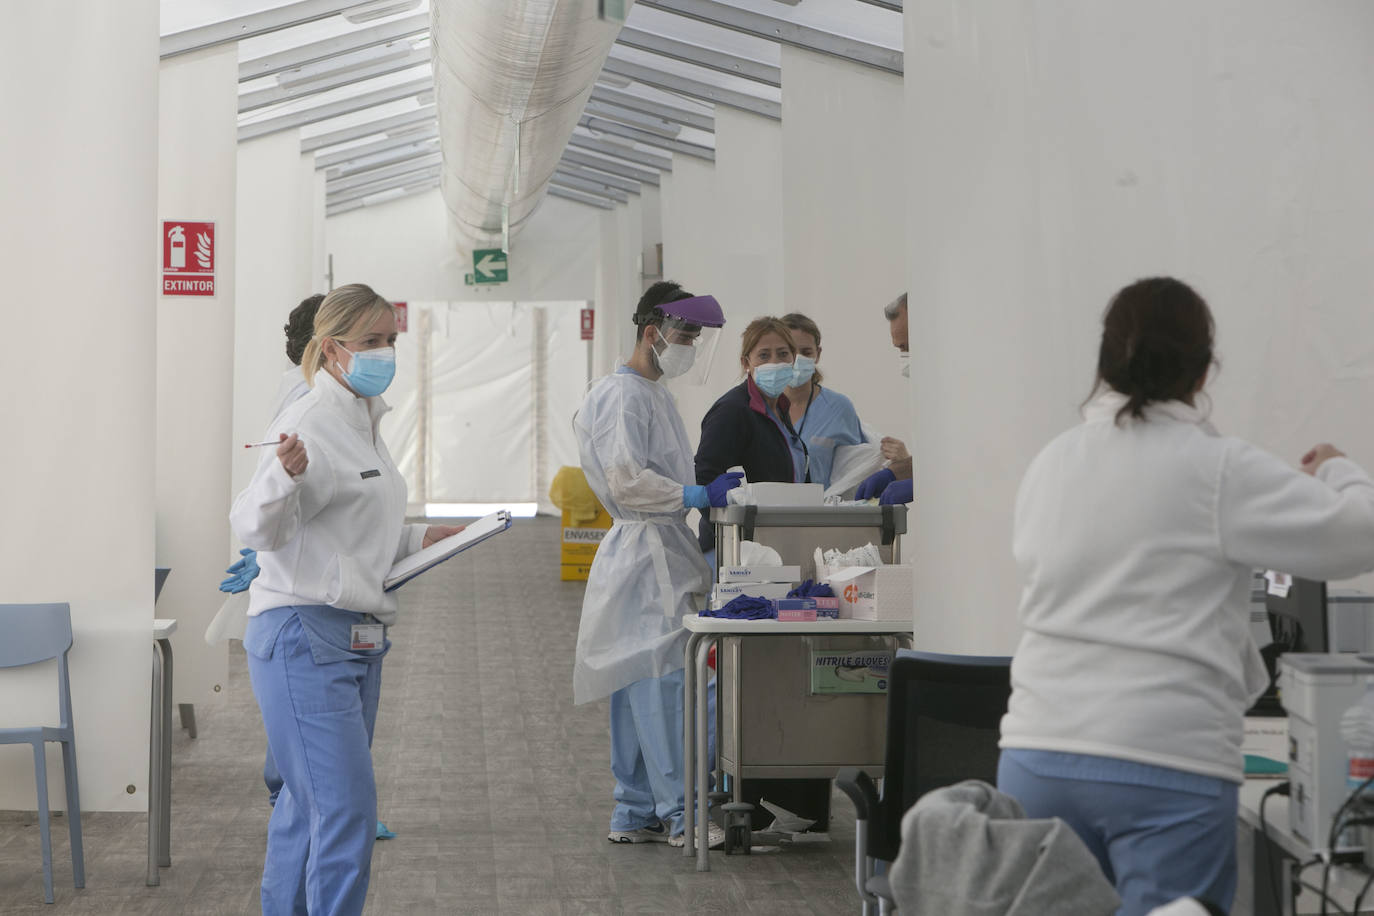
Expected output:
(580, 543)
(873, 592)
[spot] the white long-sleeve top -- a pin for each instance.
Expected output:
(1136, 544)
(329, 535)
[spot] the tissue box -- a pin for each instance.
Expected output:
(760, 574)
(723, 593)
(874, 592)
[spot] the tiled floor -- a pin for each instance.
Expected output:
(498, 786)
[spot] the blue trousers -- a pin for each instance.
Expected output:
(646, 752)
(319, 705)
(1154, 844)
(271, 777)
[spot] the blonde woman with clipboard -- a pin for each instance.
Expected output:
(326, 513)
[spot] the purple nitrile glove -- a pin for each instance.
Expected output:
(717, 489)
(873, 487)
(897, 493)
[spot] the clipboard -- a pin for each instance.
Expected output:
(429, 557)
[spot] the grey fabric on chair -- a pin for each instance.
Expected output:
(967, 850)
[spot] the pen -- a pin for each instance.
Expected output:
(261, 444)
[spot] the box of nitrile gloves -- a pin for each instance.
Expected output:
(824, 607)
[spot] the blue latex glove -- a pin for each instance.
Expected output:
(717, 489)
(744, 608)
(874, 486)
(898, 493)
(241, 573)
(694, 497)
(383, 833)
(810, 589)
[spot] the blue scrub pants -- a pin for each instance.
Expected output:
(319, 706)
(646, 752)
(1154, 844)
(271, 777)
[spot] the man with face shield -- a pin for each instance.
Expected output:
(648, 571)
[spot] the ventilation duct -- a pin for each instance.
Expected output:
(511, 79)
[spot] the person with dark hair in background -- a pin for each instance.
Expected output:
(1137, 533)
(822, 419)
(648, 572)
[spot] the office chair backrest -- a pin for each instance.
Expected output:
(943, 720)
(31, 633)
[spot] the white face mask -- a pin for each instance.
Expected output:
(675, 359)
(905, 359)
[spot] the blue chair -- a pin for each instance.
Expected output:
(36, 633)
(943, 720)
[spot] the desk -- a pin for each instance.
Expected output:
(160, 753)
(702, 633)
(1346, 879)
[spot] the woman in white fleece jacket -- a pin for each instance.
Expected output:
(326, 514)
(1137, 533)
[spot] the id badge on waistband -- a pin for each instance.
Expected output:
(366, 636)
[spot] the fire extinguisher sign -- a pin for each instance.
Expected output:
(188, 258)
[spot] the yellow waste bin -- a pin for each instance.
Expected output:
(585, 522)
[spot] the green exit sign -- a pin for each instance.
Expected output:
(489, 265)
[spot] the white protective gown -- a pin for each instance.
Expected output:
(649, 571)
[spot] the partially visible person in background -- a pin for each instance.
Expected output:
(822, 419)
(893, 484)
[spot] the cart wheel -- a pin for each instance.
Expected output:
(738, 836)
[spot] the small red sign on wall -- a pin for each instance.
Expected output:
(188, 258)
(588, 321)
(402, 315)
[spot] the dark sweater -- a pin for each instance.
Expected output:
(737, 431)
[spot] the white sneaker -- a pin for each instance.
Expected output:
(715, 836)
(658, 833)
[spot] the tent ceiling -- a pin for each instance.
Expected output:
(361, 92)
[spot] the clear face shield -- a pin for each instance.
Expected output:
(686, 340)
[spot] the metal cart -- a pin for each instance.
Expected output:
(770, 723)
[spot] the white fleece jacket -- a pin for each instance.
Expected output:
(330, 535)
(1136, 545)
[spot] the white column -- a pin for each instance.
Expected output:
(723, 234)
(198, 127)
(844, 223)
(274, 271)
(79, 244)
(1061, 150)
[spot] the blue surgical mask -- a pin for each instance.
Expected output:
(773, 378)
(370, 371)
(802, 370)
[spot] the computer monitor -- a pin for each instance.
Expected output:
(1298, 619)
(1297, 623)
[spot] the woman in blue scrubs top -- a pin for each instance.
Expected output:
(822, 420)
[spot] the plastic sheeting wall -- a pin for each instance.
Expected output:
(1068, 148)
(402, 249)
(79, 249)
(490, 389)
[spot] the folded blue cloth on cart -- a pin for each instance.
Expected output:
(810, 589)
(744, 608)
